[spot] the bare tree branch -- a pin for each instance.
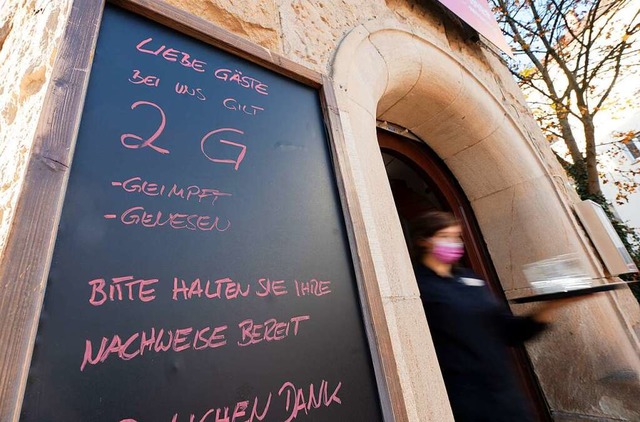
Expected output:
(578, 51)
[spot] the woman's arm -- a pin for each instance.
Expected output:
(518, 329)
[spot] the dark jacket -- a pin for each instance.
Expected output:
(471, 332)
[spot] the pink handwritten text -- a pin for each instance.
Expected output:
(243, 149)
(227, 289)
(312, 287)
(193, 192)
(296, 401)
(242, 409)
(233, 104)
(153, 341)
(150, 80)
(194, 92)
(299, 401)
(244, 81)
(146, 142)
(175, 220)
(223, 288)
(171, 55)
(121, 288)
(275, 287)
(270, 330)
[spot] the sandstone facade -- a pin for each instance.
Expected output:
(404, 62)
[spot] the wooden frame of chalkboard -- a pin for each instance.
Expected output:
(28, 254)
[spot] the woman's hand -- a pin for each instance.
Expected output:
(546, 313)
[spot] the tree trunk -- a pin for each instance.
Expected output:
(593, 181)
(569, 139)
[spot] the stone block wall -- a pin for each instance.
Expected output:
(310, 32)
(29, 32)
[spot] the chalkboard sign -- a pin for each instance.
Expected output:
(201, 270)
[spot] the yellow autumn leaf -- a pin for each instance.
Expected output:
(528, 72)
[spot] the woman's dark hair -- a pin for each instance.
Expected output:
(426, 225)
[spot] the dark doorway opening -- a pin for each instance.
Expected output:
(420, 181)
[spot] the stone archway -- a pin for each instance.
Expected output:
(464, 110)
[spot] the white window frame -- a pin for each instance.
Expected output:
(635, 141)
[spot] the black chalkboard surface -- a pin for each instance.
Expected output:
(201, 270)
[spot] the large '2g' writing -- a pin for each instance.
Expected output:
(148, 142)
(133, 141)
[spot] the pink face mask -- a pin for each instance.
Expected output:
(447, 252)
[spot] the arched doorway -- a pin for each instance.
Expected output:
(470, 111)
(420, 182)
